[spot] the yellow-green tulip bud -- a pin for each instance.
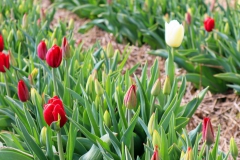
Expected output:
(20, 35)
(54, 42)
(98, 88)
(151, 124)
(35, 97)
(226, 29)
(34, 73)
(97, 102)
(174, 33)
(110, 50)
(71, 24)
(233, 148)
(25, 21)
(107, 119)
(43, 137)
(130, 98)
(7, 13)
(10, 37)
(21, 8)
(89, 85)
(156, 140)
(189, 154)
(238, 45)
(4, 33)
(104, 77)
(94, 74)
(167, 86)
(156, 88)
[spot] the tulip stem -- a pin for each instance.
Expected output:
(152, 106)
(7, 87)
(132, 140)
(207, 152)
(54, 82)
(68, 81)
(60, 147)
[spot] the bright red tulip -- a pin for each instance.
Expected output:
(209, 24)
(130, 98)
(54, 56)
(207, 131)
(52, 109)
(23, 93)
(1, 43)
(42, 50)
(4, 62)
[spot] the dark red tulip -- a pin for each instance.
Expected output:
(207, 131)
(209, 24)
(42, 50)
(4, 62)
(66, 52)
(52, 109)
(23, 93)
(54, 56)
(1, 43)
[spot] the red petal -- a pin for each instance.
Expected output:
(47, 113)
(59, 110)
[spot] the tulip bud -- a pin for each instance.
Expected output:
(71, 24)
(21, 8)
(34, 73)
(54, 57)
(42, 50)
(66, 51)
(189, 154)
(155, 155)
(233, 148)
(4, 33)
(25, 21)
(12, 59)
(209, 24)
(94, 74)
(42, 15)
(43, 136)
(10, 37)
(156, 140)
(23, 93)
(4, 62)
(1, 18)
(110, 50)
(98, 88)
(116, 53)
(20, 35)
(107, 119)
(166, 17)
(207, 131)
(151, 124)
(54, 42)
(238, 45)
(188, 18)
(226, 29)
(104, 77)
(97, 101)
(35, 97)
(167, 86)
(89, 84)
(174, 33)
(130, 98)
(156, 88)
(1, 43)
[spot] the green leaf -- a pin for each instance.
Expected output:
(12, 153)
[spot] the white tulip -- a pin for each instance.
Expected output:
(174, 33)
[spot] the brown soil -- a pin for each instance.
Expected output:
(223, 109)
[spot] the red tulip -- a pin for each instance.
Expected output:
(207, 131)
(52, 109)
(42, 50)
(155, 154)
(4, 62)
(23, 93)
(130, 98)
(209, 24)
(54, 56)
(66, 52)
(1, 43)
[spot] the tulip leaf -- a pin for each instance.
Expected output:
(12, 153)
(164, 145)
(214, 151)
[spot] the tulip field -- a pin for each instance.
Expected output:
(63, 99)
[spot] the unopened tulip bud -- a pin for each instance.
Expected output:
(188, 18)
(151, 124)
(209, 24)
(43, 136)
(107, 118)
(23, 93)
(66, 50)
(104, 77)
(25, 21)
(54, 42)
(238, 45)
(156, 140)
(189, 154)
(12, 59)
(20, 35)
(233, 148)
(110, 50)
(156, 88)
(71, 24)
(97, 101)
(130, 98)
(207, 131)
(116, 53)
(54, 56)
(89, 84)
(4, 33)
(42, 50)
(174, 33)
(10, 37)
(155, 155)
(1, 43)
(167, 86)
(42, 15)
(94, 74)
(226, 29)
(34, 73)
(1, 18)
(98, 88)
(21, 8)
